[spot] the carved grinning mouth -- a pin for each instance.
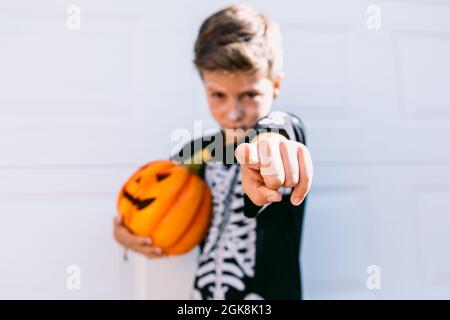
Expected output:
(141, 204)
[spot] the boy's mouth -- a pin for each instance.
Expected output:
(236, 127)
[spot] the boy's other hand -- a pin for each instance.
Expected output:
(271, 161)
(138, 244)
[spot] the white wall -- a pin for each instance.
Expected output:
(81, 109)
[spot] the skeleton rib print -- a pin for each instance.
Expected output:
(227, 260)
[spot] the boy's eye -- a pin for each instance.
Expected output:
(220, 95)
(217, 95)
(251, 95)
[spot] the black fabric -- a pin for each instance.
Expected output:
(279, 225)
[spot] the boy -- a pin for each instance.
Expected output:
(251, 250)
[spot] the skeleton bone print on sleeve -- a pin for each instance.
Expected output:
(226, 263)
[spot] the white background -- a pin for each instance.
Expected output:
(81, 109)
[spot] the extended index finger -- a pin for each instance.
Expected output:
(247, 154)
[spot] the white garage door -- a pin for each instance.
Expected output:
(80, 109)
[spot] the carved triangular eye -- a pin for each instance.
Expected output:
(161, 176)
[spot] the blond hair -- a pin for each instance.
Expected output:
(239, 38)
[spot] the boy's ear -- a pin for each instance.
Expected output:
(277, 84)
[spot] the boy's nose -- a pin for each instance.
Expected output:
(235, 112)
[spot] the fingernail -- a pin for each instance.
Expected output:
(158, 250)
(272, 198)
(297, 201)
(149, 241)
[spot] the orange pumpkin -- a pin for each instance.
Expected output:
(168, 203)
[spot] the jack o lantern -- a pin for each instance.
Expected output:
(168, 203)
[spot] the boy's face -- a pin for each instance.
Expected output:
(237, 100)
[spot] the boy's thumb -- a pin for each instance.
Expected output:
(262, 195)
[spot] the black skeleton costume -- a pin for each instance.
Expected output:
(249, 252)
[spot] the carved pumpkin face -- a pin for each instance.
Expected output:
(167, 202)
